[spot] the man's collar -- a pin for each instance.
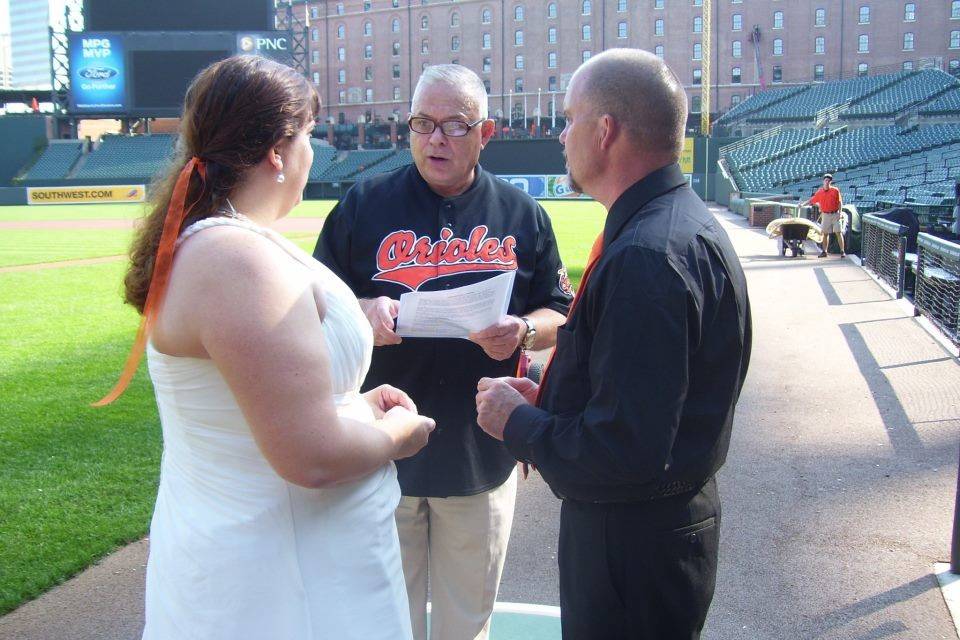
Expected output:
(422, 184)
(639, 194)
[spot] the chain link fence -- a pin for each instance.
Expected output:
(938, 283)
(883, 251)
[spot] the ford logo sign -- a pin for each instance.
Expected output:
(98, 73)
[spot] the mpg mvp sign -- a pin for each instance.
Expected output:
(97, 73)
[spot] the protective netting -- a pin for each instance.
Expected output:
(882, 251)
(938, 283)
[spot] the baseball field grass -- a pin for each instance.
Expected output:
(77, 482)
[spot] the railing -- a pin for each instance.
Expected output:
(831, 113)
(766, 133)
(938, 284)
(883, 251)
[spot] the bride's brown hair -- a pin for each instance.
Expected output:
(234, 112)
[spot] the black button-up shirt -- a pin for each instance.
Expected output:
(641, 392)
(392, 234)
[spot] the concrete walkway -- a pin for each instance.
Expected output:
(838, 491)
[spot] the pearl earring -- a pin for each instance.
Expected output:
(280, 178)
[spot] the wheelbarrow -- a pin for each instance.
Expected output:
(791, 232)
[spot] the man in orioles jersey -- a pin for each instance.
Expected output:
(438, 224)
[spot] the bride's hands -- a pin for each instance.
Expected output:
(384, 398)
(408, 430)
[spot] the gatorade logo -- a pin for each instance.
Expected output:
(409, 260)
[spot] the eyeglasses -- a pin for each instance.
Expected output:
(449, 128)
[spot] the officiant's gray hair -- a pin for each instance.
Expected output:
(455, 75)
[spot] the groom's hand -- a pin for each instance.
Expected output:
(386, 397)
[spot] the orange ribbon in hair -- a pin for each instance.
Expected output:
(162, 265)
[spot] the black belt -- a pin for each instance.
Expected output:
(656, 492)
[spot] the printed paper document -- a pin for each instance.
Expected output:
(455, 313)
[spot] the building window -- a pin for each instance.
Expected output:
(486, 86)
(864, 15)
(518, 38)
(395, 25)
(585, 55)
(737, 47)
(341, 54)
(369, 95)
(955, 10)
(734, 100)
(487, 63)
(658, 51)
(777, 47)
(863, 43)
(552, 60)
(486, 16)
(658, 4)
(862, 69)
(396, 71)
(368, 73)
(818, 73)
(343, 99)
(552, 83)
(314, 13)
(455, 43)
(316, 77)
(737, 22)
(485, 41)
(954, 66)
(368, 52)
(518, 61)
(621, 6)
(585, 32)
(819, 44)
(777, 73)
(697, 77)
(621, 29)
(552, 35)
(910, 12)
(367, 28)
(518, 13)
(908, 65)
(395, 4)
(698, 3)
(697, 51)
(366, 5)
(908, 42)
(697, 24)
(396, 48)
(735, 75)
(552, 10)
(454, 19)
(955, 39)
(424, 47)
(341, 32)
(315, 57)
(518, 85)
(778, 19)
(396, 94)
(314, 35)
(820, 18)
(339, 8)
(424, 65)
(658, 27)
(695, 104)
(424, 23)
(586, 8)
(455, 61)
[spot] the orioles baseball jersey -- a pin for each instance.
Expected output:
(392, 234)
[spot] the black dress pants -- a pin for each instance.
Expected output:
(638, 571)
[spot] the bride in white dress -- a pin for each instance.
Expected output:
(274, 517)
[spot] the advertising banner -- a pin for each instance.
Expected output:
(543, 186)
(275, 45)
(97, 73)
(686, 156)
(86, 195)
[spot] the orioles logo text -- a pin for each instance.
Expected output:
(409, 260)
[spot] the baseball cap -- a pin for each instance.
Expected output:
(828, 175)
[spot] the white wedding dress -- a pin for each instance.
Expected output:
(238, 553)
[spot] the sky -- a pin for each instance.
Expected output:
(4, 16)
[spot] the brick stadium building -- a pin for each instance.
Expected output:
(365, 55)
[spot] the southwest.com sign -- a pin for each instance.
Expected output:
(86, 195)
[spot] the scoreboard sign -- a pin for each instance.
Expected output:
(97, 73)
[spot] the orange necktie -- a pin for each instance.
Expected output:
(592, 259)
(176, 212)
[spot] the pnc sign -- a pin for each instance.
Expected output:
(270, 45)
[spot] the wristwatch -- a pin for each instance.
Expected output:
(531, 336)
